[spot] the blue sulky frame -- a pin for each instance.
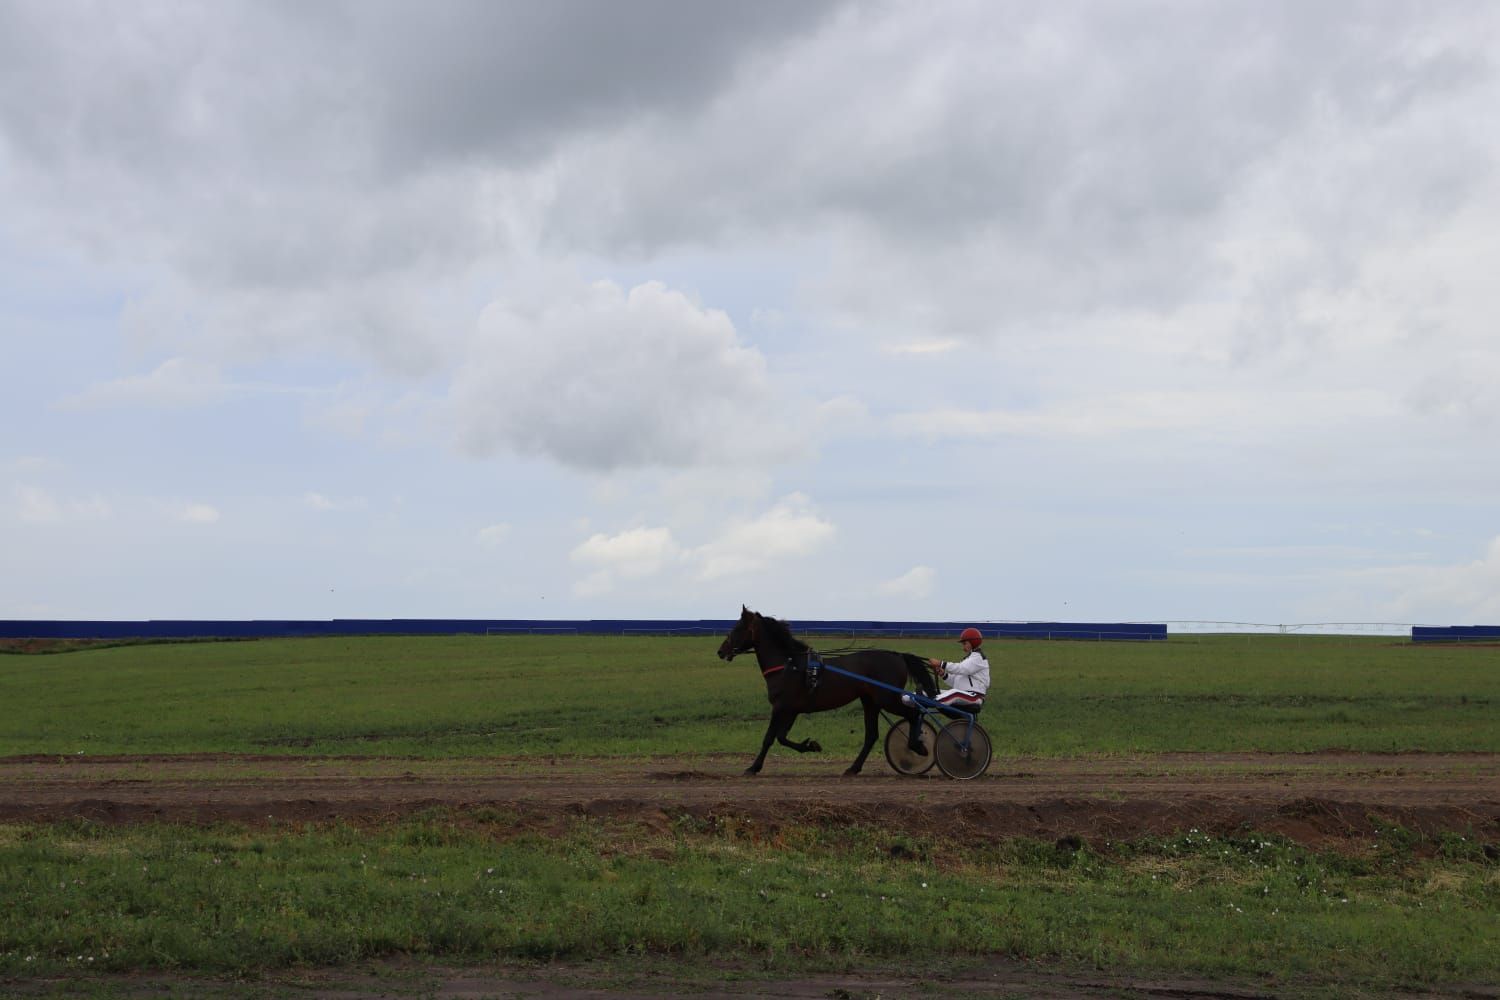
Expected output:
(961, 747)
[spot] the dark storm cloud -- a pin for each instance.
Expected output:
(142, 82)
(354, 176)
(274, 145)
(1080, 129)
(501, 80)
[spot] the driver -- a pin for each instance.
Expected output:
(969, 678)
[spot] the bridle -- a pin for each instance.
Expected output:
(751, 642)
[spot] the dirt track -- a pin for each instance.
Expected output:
(1322, 798)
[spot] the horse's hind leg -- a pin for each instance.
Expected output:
(872, 731)
(914, 728)
(781, 721)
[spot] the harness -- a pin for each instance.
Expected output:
(812, 669)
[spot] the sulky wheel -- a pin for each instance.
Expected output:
(959, 759)
(901, 758)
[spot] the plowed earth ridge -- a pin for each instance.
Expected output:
(1319, 799)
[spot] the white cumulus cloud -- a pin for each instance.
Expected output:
(1462, 593)
(789, 531)
(601, 378)
(631, 554)
(494, 534)
(198, 513)
(176, 382)
(636, 552)
(321, 502)
(36, 505)
(916, 583)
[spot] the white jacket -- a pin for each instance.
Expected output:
(972, 673)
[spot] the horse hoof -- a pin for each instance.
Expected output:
(852, 772)
(813, 746)
(920, 749)
(751, 772)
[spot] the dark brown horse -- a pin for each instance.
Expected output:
(784, 662)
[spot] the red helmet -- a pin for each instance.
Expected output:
(972, 635)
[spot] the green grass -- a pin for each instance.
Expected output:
(472, 887)
(467, 695)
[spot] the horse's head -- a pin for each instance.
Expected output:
(742, 637)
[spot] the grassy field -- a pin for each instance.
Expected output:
(83, 899)
(460, 696)
(475, 886)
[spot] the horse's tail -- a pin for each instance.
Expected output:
(921, 673)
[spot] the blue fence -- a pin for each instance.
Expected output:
(266, 629)
(1455, 633)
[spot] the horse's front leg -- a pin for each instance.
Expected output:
(781, 721)
(806, 746)
(872, 730)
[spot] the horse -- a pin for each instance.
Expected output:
(784, 662)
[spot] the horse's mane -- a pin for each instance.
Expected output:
(781, 632)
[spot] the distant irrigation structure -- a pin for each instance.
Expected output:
(1393, 629)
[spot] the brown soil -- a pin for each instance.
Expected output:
(995, 978)
(1327, 799)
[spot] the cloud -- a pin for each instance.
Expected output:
(198, 513)
(35, 505)
(1328, 553)
(1463, 593)
(400, 323)
(493, 535)
(34, 465)
(326, 175)
(596, 584)
(916, 583)
(176, 382)
(506, 82)
(788, 532)
(600, 379)
(965, 175)
(930, 345)
(1174, 254)
(636, 552)
(282, 179)
(842, 414)
(319, 502)
(631, 554)
(1222, 414)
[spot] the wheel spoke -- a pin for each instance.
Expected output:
(899, 754)
(963, 751)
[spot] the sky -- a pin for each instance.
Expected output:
(990, 311)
